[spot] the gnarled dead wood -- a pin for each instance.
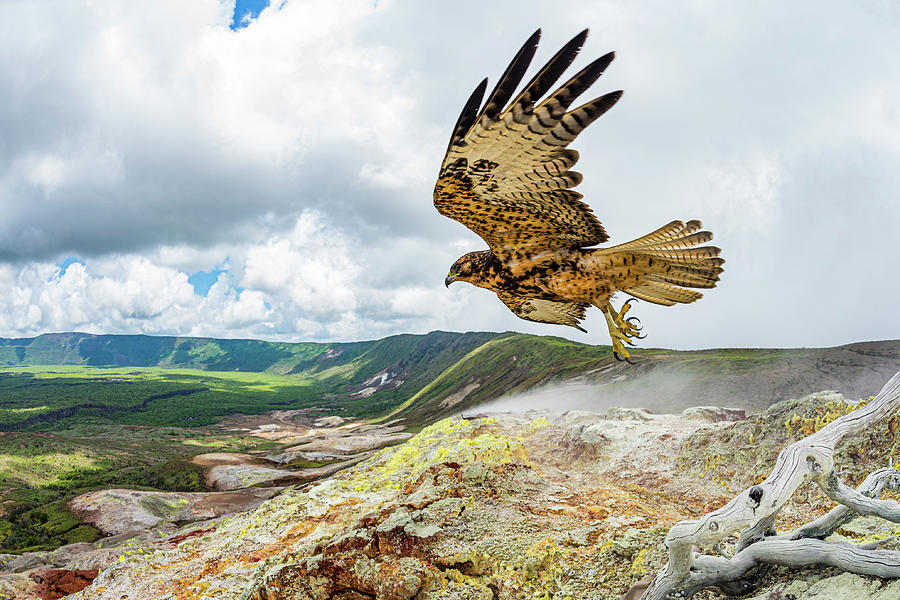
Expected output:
(751, 516)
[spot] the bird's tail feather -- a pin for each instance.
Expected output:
(659, 266)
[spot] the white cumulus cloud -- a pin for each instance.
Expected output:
(294, 159)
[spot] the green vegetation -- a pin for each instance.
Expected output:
(40, 397)
(39, 472)
(158, 388)
(147, 351)
(46, 527)
(178, 475)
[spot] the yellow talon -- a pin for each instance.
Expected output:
(620, 331)
(619, 348)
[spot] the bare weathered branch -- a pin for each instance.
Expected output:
(751, 515)
(711, 570)
(877, 482)
(858, 502)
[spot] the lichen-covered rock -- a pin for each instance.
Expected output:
(628, 414)
(15, 585)
(737, 455)
(832, 586)
(509, 506)
(67, 554)
(493, 507)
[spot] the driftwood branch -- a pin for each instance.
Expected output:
(877, 482)
(751, 516)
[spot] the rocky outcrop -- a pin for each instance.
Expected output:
(231, 471)
(120, 511)
(714, 414)
(504, 506)
(348, 444)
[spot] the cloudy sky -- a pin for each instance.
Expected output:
(196, 168)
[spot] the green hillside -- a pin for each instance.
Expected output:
(145, 380)
(151, 351)
(172, 381)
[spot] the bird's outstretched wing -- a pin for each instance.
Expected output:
(561, 312)
(506, 173)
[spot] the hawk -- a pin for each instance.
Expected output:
(507, 176)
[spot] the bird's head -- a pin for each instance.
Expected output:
(464, 268)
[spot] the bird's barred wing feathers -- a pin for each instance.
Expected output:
(506, 172)
(541, 310)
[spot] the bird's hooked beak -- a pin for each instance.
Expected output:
(449, 279)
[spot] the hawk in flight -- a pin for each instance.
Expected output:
(506, 176)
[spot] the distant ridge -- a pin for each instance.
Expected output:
(422, 377)
(152, 351)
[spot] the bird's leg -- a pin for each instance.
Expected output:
(617, 338)
(621, 329)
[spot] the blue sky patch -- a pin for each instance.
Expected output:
(204, 280)
(245, 11)
(64, 264)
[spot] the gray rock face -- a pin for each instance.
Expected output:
(580, 417)
(24, 562)
(15, 585)
(350, 444)
(594, 434)
(67, 554)
(628, 414)
(714, 414)
(235, 477)
(120, 511)
(845, 586)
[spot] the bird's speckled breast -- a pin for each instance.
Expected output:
(561, 275)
